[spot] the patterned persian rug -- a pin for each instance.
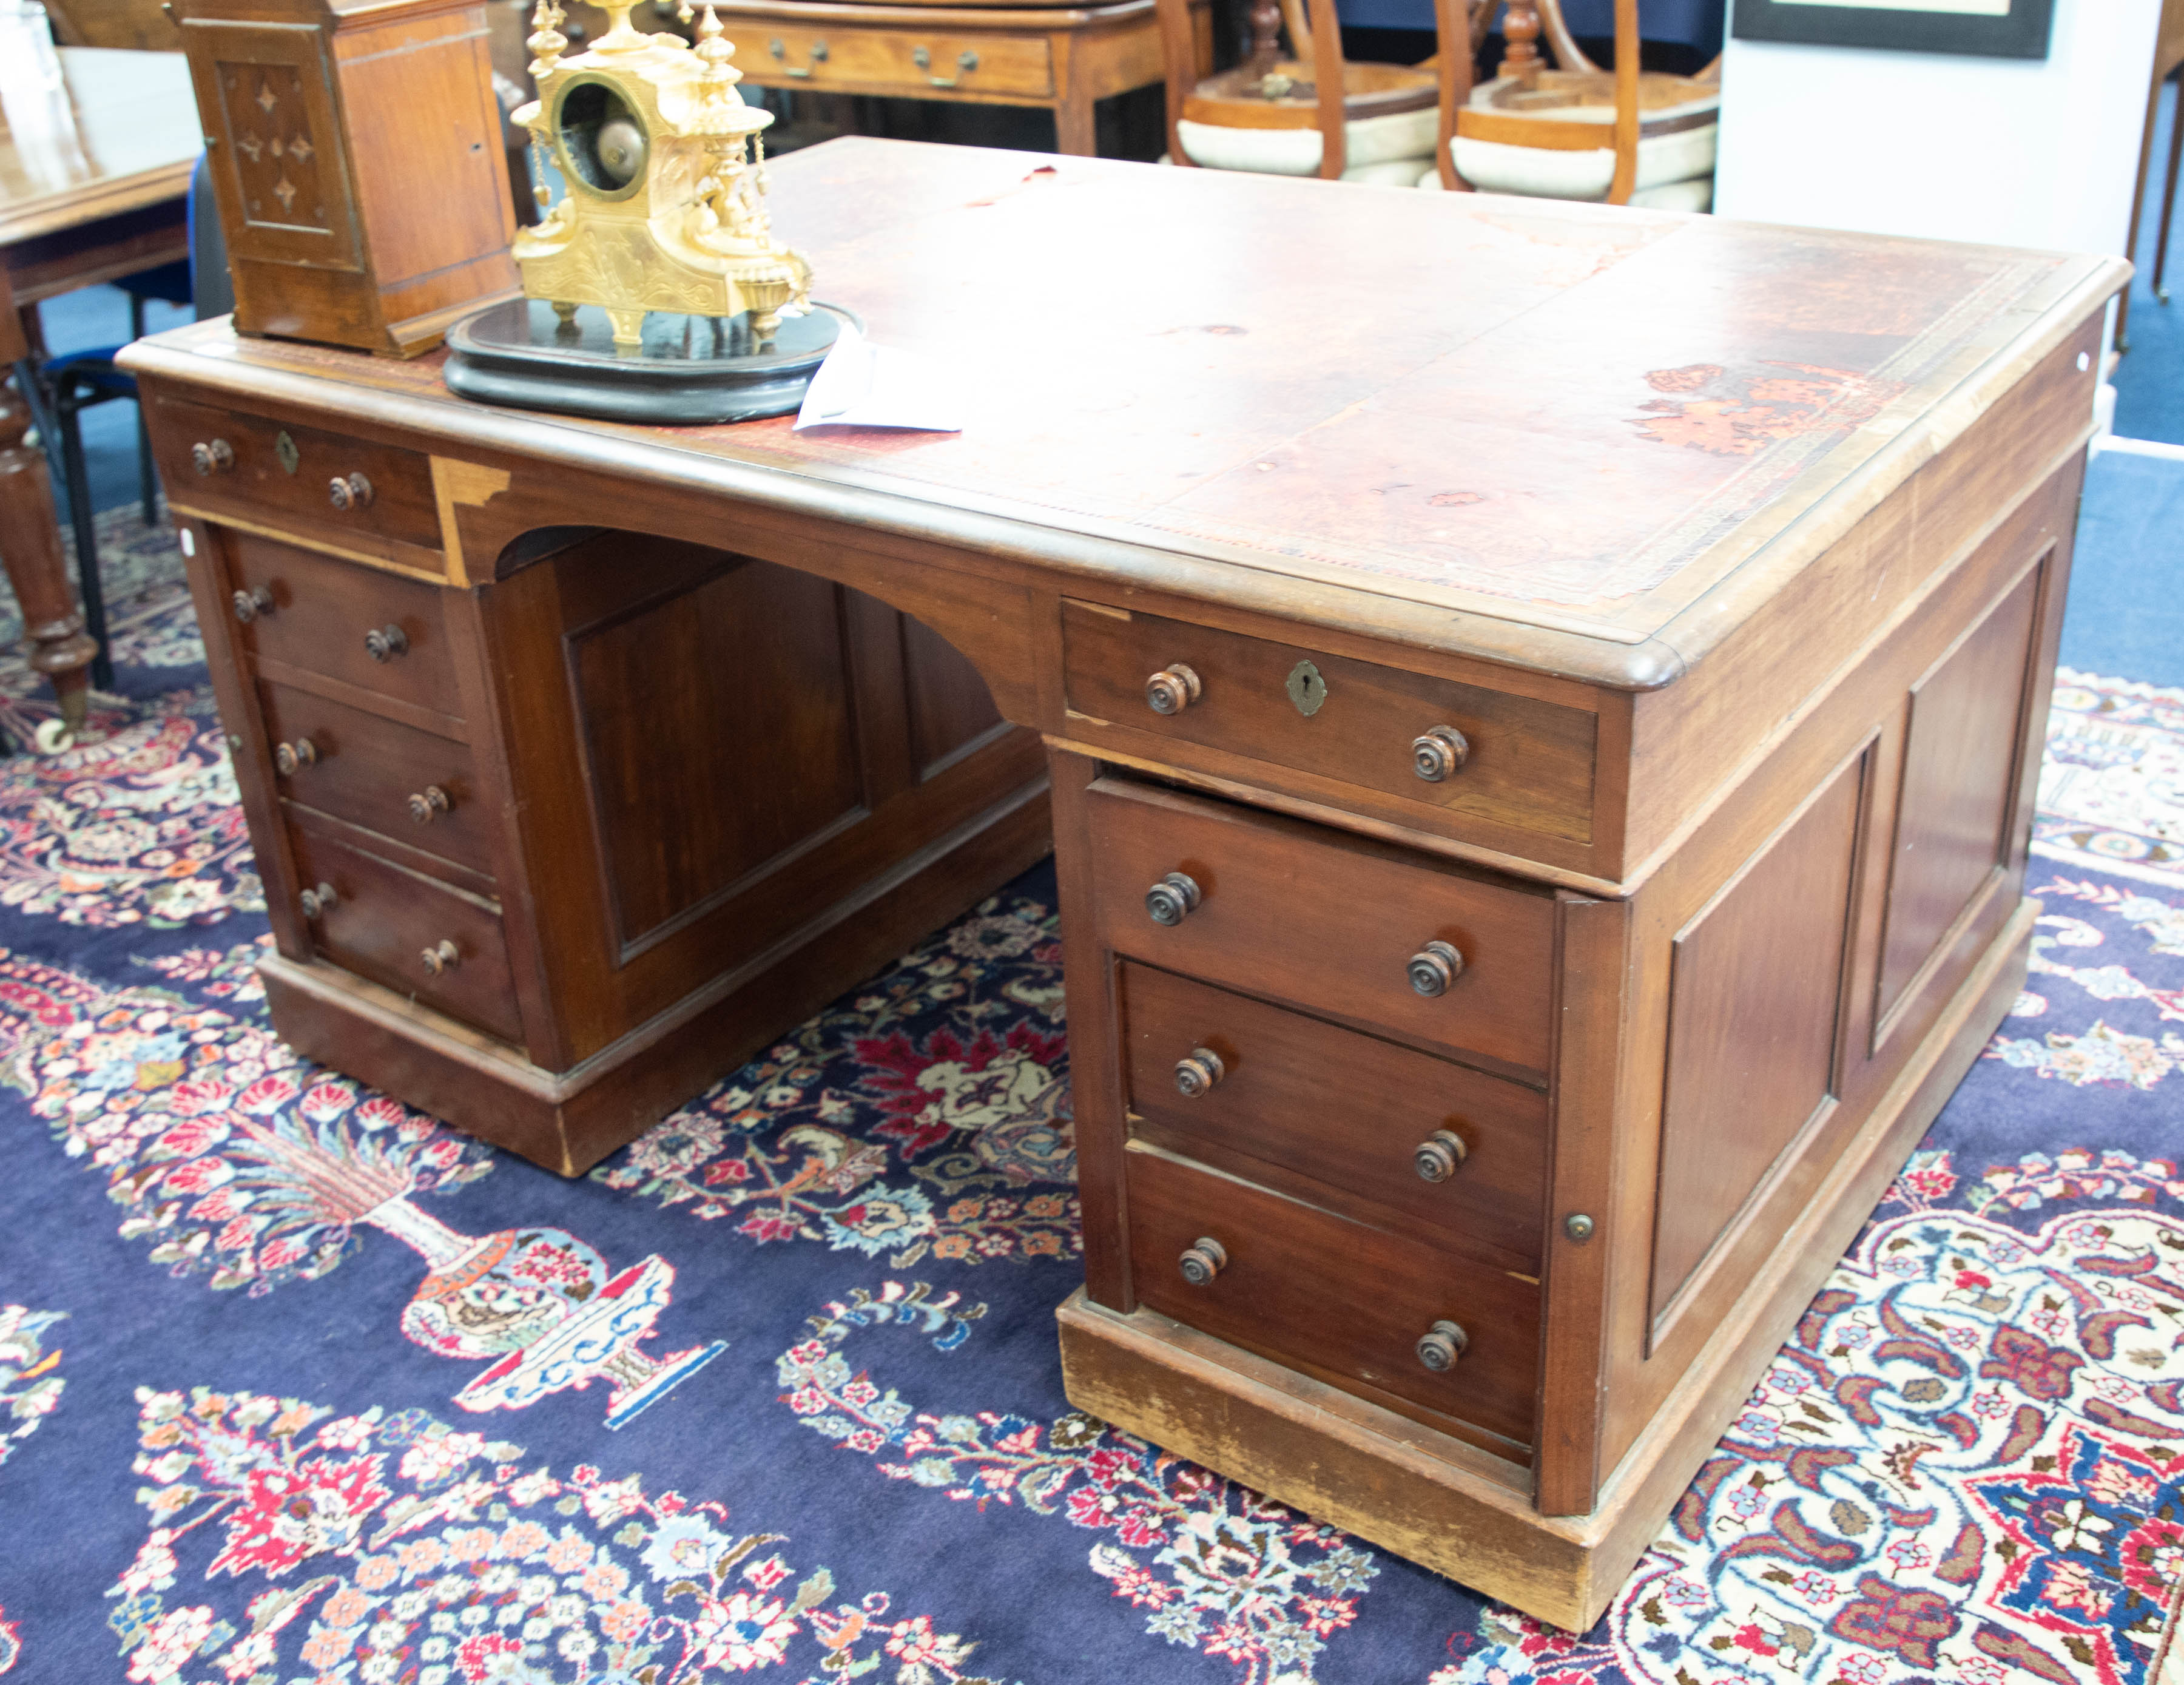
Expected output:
(295, 1385)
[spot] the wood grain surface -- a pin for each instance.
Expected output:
(1568, 416)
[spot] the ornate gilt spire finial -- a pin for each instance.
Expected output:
(546, 41)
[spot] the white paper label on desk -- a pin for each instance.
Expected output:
(864, 385)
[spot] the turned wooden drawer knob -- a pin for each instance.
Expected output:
(1203, 1260)
(1434, 967)
(427, 804)
(253, 602)
(1200, 1072)
(322, 900)
(1172, 690)
(351, 492)
(1436, 1158)
(1170, 900)
(385, 643)
(1439, 754)
(289, 758)
(442, 956)
(1441, 1345)
(212, 456)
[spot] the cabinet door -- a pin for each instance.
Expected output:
(265, 96)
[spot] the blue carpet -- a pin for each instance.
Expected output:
(302, 1388)
(2150, 379)
(2126, 607)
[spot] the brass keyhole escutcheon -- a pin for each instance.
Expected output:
(284, 449)
(1307, 688)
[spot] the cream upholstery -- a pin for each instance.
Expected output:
(1389, 149)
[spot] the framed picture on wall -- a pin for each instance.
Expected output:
(1997, 28)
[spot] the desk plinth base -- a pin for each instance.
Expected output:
(1455, 1510)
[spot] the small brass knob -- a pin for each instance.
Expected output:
(212, 456)
(253, 602)
(1436, 1158)
(322, 900)
(1439, 754)
(427, 804)
(1441, 1345)
(1203, 1260)
(384, 644)
(1172, 690)
(1434, 967)
(290, 758)
(354, 492)
(442, 957)
(1200, 1072)
(1172, 898)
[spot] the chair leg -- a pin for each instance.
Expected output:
(2169, 192)
(147, 485)
(86, 536)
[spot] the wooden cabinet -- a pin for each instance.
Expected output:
(513, 878)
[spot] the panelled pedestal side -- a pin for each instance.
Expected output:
(546, 853)
(1463, 1210)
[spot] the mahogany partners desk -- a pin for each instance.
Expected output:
(1542, 705)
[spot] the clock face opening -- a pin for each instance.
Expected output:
(602, 142)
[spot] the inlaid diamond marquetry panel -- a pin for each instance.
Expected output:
(275, 159)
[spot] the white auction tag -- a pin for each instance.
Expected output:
(864, 385)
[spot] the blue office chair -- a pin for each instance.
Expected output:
(81, 380)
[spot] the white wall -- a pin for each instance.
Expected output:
(2006, 151)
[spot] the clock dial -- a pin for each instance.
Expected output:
(602, 141)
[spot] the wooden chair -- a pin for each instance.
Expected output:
(1574, 130)
(1310, 114)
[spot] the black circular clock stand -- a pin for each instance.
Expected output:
(688, 371)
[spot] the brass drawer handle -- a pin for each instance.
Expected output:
(1439, 754)
(212, 456)
(1171, 899)
(781, 55)
(1172, 690)
(1441, 1345)
(1434, 967)
(319, 901)
(1195, 1075)
(1439, 1156)
(442, 956)
(1203, 1260)
(352, 492)
(290, 758)
(427, 804)
(252, 603)
(384, 644)
(923, 57)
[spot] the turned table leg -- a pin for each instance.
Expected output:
(30, 551)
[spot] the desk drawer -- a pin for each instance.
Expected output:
(1338, 1109)
(1296, 913)
(903, 61)
(1528, 762)
(385, 919)
(366, 769)
(1309, 1287)
(255, 470)
(372, 629)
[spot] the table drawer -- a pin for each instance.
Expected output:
(385, 919)
(1527, 762)
(366, 769)
(257, 470)
(1341, 1110)
(1300, 914)
(372, 629)
(1305, 1285)
(906, 61)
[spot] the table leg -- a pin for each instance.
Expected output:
(30, 551)
(1074, 129)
